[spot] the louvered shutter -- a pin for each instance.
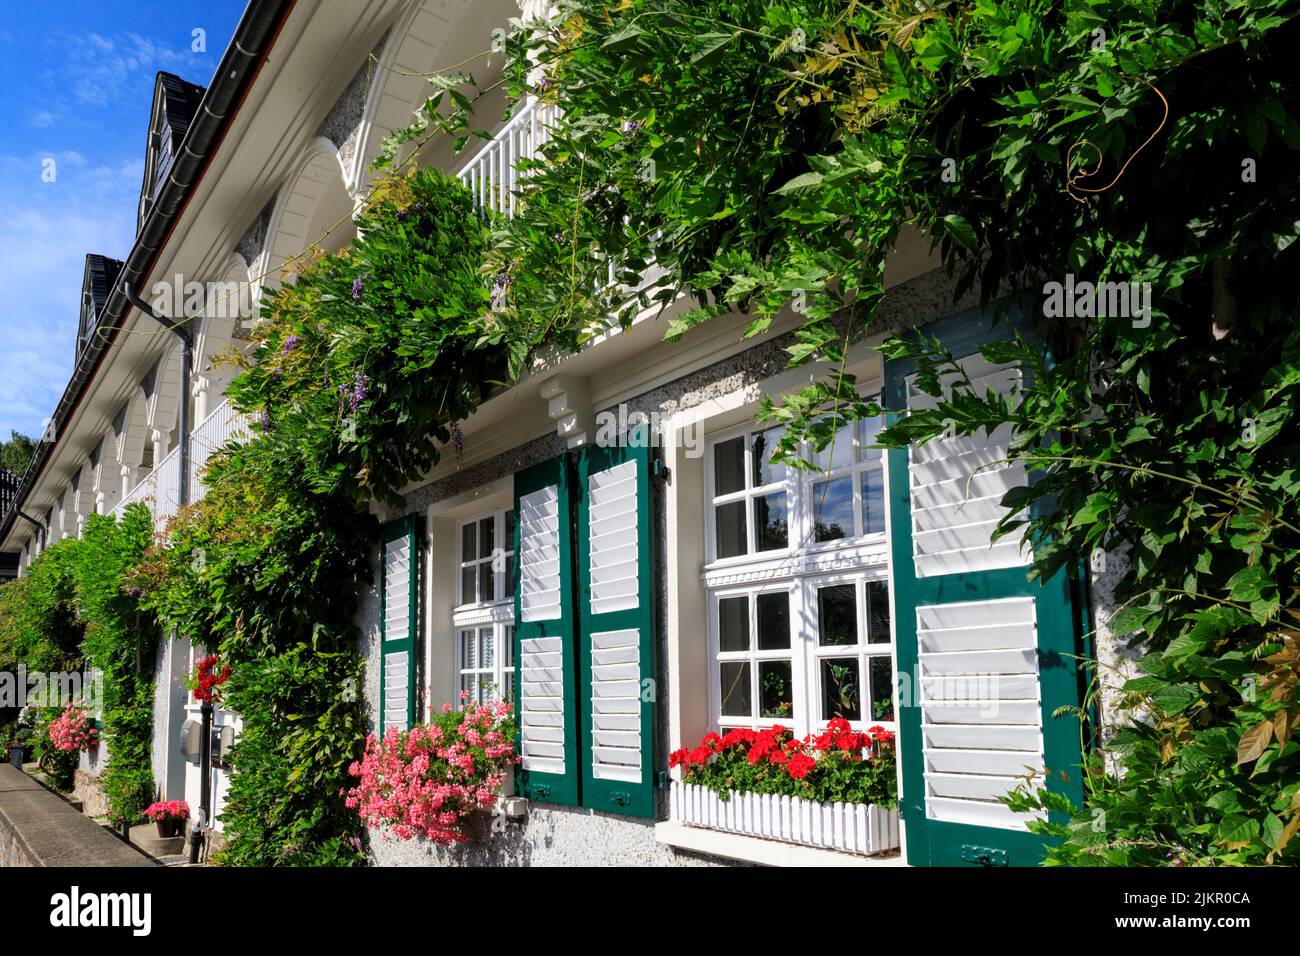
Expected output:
(616, 660)
(545, 699)
(989, 653)
(398, 622)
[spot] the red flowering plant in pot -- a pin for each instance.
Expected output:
(430, 780)
(168, 816)
(837, 765)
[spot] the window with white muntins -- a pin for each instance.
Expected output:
(483, 620)
(799, 620)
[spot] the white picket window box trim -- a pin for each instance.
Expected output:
(852, 828)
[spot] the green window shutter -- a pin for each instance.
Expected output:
(398, 621)
(616, 645)
(969, 623)
(544, 693)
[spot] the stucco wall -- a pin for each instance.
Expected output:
(1116, 659)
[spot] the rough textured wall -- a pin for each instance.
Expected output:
(253, 241)
(12, 851)
(342, 126)
(1117, 661)
(549, 836)
(86, 788)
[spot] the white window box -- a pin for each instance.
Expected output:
(843, 827)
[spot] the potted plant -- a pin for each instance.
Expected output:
(428, 781)
(168, 816)
(74, 730)
(14, 752)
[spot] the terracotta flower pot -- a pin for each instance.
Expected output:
(169, 827)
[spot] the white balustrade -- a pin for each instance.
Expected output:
(161, 487)
(491, 174)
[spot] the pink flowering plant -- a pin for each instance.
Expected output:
(74, 730)
(430, 779)
(165, 810)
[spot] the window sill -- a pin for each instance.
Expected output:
(825, 558)
(735, 846)
(473, 615)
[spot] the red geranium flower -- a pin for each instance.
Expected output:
(800, 765)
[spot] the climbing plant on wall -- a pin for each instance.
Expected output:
(360, 369)
(764, 155)
(120, 643)
(73, 610)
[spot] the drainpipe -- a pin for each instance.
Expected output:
(45, 532)
(182, 332)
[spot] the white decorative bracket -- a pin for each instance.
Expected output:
(568, 405)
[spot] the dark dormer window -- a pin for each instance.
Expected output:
(174, 105)
(96, 286)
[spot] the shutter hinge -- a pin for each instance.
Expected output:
(659, 470)
(983, 855)
(661, 780)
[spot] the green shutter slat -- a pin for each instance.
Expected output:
(949, 600)
(393, 646)
(544, 647)
(616, 640)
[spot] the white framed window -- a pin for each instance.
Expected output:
(483, 620)
(486, 559)
(750, 495)
(757, 667)
(485, 665)
(847, 492)
(799, 609)
(851, 650)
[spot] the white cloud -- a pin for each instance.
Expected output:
(46, 230)
(99, 69)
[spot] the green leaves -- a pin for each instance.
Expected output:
(960, 231)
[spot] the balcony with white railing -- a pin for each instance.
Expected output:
(493, 177)
(491, 174)
(160, 489)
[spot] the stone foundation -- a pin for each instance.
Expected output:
(86, 788)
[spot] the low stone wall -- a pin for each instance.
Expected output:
(39, 828)
(86, 788)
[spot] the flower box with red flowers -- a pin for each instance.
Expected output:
(837, 789)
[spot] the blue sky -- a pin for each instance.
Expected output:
(76, 80)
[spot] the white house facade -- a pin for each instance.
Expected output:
(614, 550)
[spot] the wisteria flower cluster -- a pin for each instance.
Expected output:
(209, 674)
(74, 730)
(352, 395)
(428, 780)
(167, 810)
(838, 764)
